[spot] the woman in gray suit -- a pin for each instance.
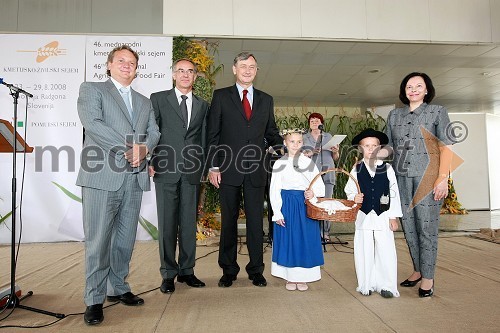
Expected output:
(420, 138)
(312, 148)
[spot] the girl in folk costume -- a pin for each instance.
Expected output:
(374, 249)
(297, 253)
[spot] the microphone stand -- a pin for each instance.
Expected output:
(13, 301)
(324, 242)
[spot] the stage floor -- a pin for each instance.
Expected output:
(467, 294)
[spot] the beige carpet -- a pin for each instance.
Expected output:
(467, 295)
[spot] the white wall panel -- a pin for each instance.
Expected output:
(198, 17)
(460, 20)
(495, 20)
(334, 19)
(267, 18)
(493, 138)
(398, 20)
(471, 179)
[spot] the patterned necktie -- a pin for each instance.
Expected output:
(125, 92)
(246, 105)
(184, 109)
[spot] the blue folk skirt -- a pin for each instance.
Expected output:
(298, 243)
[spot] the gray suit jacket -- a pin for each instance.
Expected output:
(108, 127)
(181, 149)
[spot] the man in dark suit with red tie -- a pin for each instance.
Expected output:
(240, 118)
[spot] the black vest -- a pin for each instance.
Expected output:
(373, 188)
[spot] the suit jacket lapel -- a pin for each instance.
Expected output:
(235, 96)
(257, 99)
(118, 98)
(136, 106)
(195, 109)
(172, 99)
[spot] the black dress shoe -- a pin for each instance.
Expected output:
(93, 315)
(258, 279)
(167, 286)
(128, 299)
(425, 293)
(386, 293)
(408, 283)
(191, 280)
(227, 280)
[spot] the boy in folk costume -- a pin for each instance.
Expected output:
(374, 249)
(297, 253)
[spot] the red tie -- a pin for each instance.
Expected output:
(246, 105)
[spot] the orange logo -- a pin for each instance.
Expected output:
(426, 186)
(50, 50)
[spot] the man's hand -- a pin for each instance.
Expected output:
(136, 154)
(151, 171)
(214, 177)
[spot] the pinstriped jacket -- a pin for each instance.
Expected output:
(108, 127)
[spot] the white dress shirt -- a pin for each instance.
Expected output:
(189, 102)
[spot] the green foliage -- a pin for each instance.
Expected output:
(202, 53)
(211, 202)
(68, 193)
(292, 122)
(179, 48)
(149, 227)
(5, 217)
(203, 89)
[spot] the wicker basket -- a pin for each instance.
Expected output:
(317, 213)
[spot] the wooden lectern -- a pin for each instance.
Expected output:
(6, 142)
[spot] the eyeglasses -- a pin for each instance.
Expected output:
(182, 71)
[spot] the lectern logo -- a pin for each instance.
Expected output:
(50, 50)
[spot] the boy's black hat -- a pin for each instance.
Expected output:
(370, 133)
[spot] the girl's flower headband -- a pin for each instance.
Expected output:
(285, 132)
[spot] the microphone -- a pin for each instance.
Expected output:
(320, 127)
(4, 83)
(13, 87)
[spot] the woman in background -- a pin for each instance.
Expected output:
(312, 148)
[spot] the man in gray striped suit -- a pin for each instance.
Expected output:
(120, 131)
